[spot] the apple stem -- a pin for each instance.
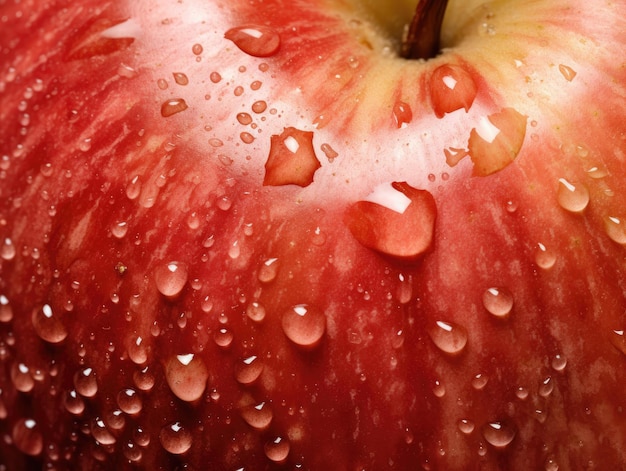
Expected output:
(422, 40)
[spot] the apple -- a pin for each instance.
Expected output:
(339, 235)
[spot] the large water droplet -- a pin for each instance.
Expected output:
(304, 325)
(498, 301)
(173, 106)
(292, 159)
(171, 278)
(258, 416)
(186, 376)
(572, 197)
(48, 325)
(277, 450)
(85, 382)
(175, 438)
(449, 337)
(255, 40)
(498, 434)
(27, 437)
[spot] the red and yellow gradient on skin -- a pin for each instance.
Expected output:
(151, 238)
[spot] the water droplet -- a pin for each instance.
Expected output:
(479, 381)
(144, 379)
(259, 106)
(7, 251)
(559, 362)
(74, 403)
(551, 464)
(197, 49)
(162, 84)
(175, 438)
(180, 78)
(277, 450)
(498, 301)
(521, 393)
(402, 114)
(129, 401)
(395, 219)
(244, 118)
(618, 339)
(496, 141)
(292, 159)
(186, 376)
(85, 382)
(255, 311)
(258, 416)
(451, 88)
(246, 138)
(448, 337)
(498, 434)
(439, 389)
(268, 270)
(133, 189)
(567, 72)
(466, 426)
(255, 40)
(22, 378)
(27, 437)
(304, 325)
(404, 292)
(101, 433)
(223, 337)
(138, 351)
(256, 85)
(170, 278)
(173, 106)
(132, 452)
(573, 198)
(546, 387)
(248, 370)
(6, 311)
(48, 325)
(615, 229)
(544, 258)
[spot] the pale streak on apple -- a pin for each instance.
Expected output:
(127, 29)
(387, 196)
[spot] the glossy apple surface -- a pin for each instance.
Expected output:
(249, 235)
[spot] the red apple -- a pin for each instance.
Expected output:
(273, 235)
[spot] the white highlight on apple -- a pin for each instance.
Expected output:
(292, 144)
(255, 33)
(450, 82)
(387, 196)
(185, 359)
(127, 29)
(487, 130)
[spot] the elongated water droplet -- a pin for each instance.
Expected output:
(277, 450)
(173, 106)
(498, 301)
(451, 88)
(48, 325)
(544, 258)
(567, 72)
(175, 438)
(27, 437)
(304, 325)
(546, 387)
(498, 434)
(572, 197)
(180, 78)
(170, 278)
(449, 337)
(258, 416)
(186, 376)
(255, 40)
(6, 311)
(292, 159)
(249, 370)
(268, 270)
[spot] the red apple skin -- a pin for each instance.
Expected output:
(118, 223)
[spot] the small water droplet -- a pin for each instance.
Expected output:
(277, 450)
(180, 78)
(546, 387)
(498, 301)
(291, 159)
(616, 229)
(402, 114)
(304, 325)
(246, 137)
(449, 337)
(255, 311)
(479, 381)
(567, 72)
(132, 452)
(551, 464)
(171, 278)
(85, 382)
(451, 88)
(162, 84)
(186, 376)
(258, 416)
(129, 401)
(48, 325)
(74, 403)
(248, 370)
(259, 106)
(173, 106)
(521, 393)
(22, 378)
(498, 434)
(559, 362)
(244, 118)
(466, 426)
(27, 437)
(133, 189)
(618, 339)
(6, 311)
(197, 49)
(215, 77)
(223, 337)
(255, 40)
(439, 389)
(144, 379)
(8, 250)
(138, 351)
(544, 258)
(175, 438)
(268, 270)
(572, 197)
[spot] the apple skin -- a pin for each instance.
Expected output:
(136, 231)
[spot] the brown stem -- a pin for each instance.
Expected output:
(422, 41)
